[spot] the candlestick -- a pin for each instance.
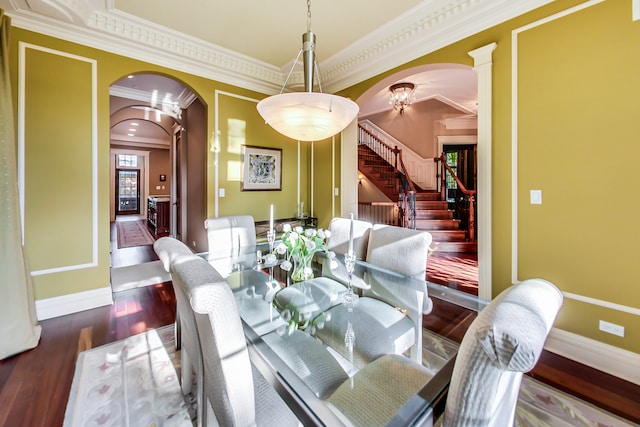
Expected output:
(351, 234)
(271, 219)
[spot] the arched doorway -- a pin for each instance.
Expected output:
(152, 118)
(443, 113)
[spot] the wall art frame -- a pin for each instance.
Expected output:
(261, 168)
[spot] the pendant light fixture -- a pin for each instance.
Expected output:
(308, 115)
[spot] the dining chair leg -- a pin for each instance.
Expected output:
(187, 372)
(177, 332)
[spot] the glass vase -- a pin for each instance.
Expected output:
(301, 270)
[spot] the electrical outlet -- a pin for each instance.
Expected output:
(612, 328)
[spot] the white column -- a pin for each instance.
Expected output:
(483, 63)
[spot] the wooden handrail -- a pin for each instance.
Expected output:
(461, 186)
(412, 187)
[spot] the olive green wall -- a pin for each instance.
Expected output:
(576, 113)
(58, 136)
(326, 205)
(240, 124)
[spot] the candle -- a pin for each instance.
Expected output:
(351, 235)
(271, 219)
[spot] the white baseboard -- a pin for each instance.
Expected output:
(73, 303)
(603, 357)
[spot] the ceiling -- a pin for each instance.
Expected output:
(253, 44)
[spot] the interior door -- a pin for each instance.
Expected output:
(462, 159)
(127, 191)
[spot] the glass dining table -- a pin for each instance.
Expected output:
(314, 346)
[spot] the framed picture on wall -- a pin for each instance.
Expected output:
(261, 168)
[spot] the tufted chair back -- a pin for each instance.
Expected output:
(168, 248)
(504, 341)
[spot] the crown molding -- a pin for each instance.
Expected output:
(423, 29)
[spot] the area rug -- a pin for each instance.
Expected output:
(137, 276)
(539, 405)
(131, 382)
(133, 233)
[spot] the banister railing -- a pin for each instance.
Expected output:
(393, 156)
(470, 194)
(383, 150)
(379, 212)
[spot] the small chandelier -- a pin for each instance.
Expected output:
(401, 95)
(308, 115)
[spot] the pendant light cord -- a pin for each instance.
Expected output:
(315, 63)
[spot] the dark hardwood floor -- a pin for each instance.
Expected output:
(34, 385)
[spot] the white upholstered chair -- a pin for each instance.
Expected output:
(168, 248)
(230, 232)
(504, 341)
(240, 396)
(374, 395)
(235, 392)
(379, 327)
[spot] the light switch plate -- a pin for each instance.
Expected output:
(536, 197)
(221, 192)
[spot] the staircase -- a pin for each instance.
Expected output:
(432, 213)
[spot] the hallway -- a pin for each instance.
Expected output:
(129, 256)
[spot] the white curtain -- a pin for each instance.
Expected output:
(19, 328)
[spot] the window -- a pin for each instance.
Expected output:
(452, 161)
(127, 160)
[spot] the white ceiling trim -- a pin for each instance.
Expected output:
(427, 27)
(423, 29)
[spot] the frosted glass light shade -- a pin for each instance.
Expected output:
(308, 116)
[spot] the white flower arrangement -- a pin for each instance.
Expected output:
(300, 245)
